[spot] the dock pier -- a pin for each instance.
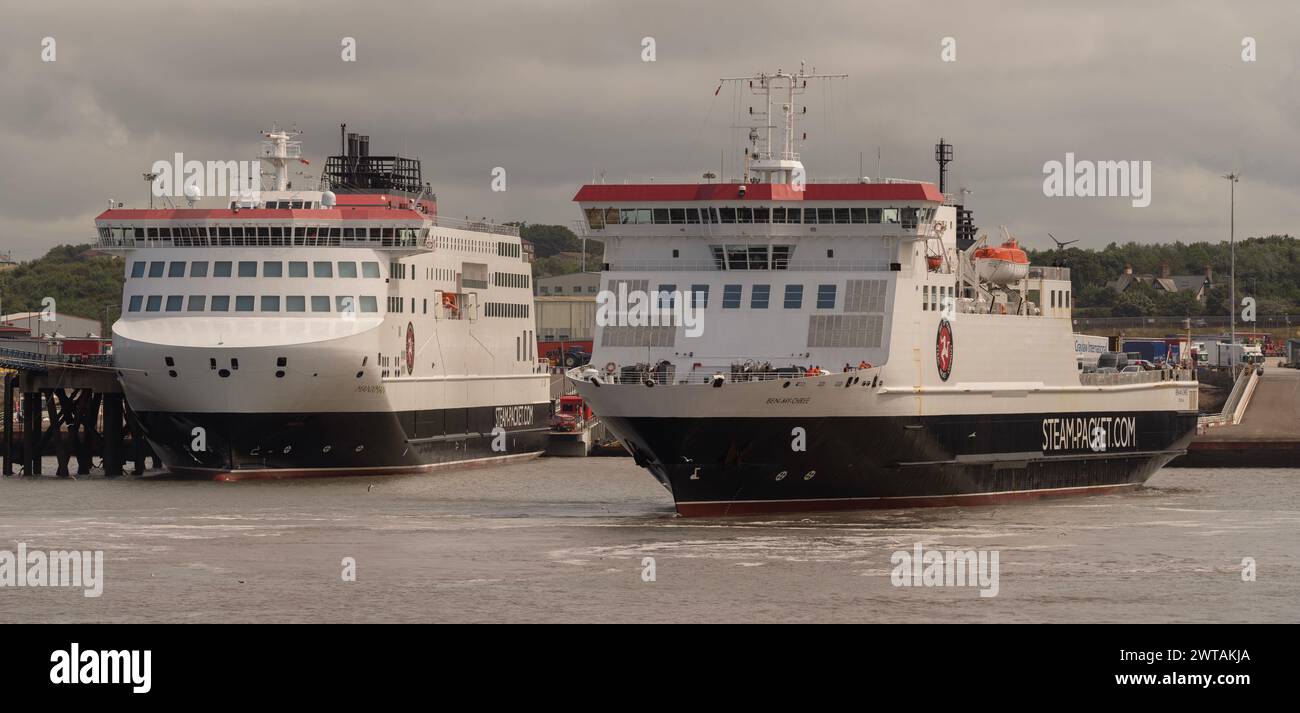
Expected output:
(1267, 435)
(72, 407)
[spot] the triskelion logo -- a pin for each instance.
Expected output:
(410, 349)
(943, 349)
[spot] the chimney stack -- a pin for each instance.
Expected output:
(1209, 273)
(1128, 269)
(1164, 269)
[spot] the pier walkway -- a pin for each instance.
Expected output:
(1268, 435)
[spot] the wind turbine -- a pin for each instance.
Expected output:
(1060, 244)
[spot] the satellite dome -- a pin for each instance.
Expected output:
(328, 199)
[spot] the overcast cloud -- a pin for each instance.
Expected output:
(556, 93)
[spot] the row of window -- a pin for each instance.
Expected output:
(759, 296)
(559, 289)
(505, 309)
(937, 298)
(251, 303)
(510, 279)
(904, 217)
(248, 268)
(262, 231)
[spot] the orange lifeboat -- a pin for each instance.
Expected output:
(1003, 264)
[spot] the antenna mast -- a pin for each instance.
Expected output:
(768, 163)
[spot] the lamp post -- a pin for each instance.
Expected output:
(1232, 248)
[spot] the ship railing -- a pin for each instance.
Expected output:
(481, 226)
(1049, 273)
(721, 265)
(1136, 377)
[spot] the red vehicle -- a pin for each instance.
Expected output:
(571, 414)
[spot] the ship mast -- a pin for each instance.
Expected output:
(767, 163)
(278, 146)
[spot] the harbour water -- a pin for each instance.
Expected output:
(560, 540)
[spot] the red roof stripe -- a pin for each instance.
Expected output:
(605, 193)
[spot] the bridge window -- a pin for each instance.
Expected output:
(295, 303)
(176, 269)
(137, 269)
(243, 303)
(370, 269)
(198, 303)
(320, 303)
(345, 303)
(156, 269)
(758, 296)
(273, 269)
(270, 303)
(221, 268)
(297, 269)
(873, 215)
(667, 296)
(891, 215)
(369, 303)
(247, 268)
(199, 268)
(323, 269)
(221, 303)
(135, 303)
(347, 269)
(793, 296)
(153, 304)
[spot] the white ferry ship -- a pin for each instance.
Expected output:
(852, 354)
(348, 330)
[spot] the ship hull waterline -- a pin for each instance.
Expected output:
(740, 466)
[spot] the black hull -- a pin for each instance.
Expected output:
(737, 466)
(280, 445)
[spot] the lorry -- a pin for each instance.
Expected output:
(1087, 348)
(1293, 353)
(1223, 354)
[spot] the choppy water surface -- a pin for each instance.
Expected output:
(564, 540)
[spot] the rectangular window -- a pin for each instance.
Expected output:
(297, 269)
(156, 269)
(295, 303)
(198, 303)
(221, 303)
(221, 268)
(243, 303)
(699, 296)
(247, 268)
(322, 269)
(758, 296)
(273, 269)
(826, 297)
(667, 295)
(873, 215)
(369, 303)
(891, 215)
(793, 296)
(174, 303)
(859, 215)
(345, 303)
(841, 215)
(137, 269)
(135, 301)
(347, 269)
(925, 298)
(320, 303)
(730, 296)
(370, 269)
(270, 303)
(154, 304)
(199, 268)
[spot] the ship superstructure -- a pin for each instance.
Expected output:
(344, 329)
(846, 353)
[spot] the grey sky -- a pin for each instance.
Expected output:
(556, 92)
